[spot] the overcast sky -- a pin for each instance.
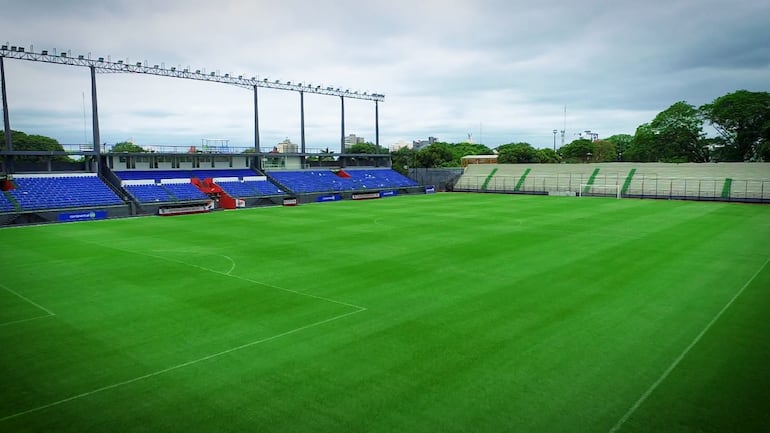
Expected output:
(497, 71)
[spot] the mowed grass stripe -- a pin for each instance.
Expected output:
(643, 398)
(145, 313)
(485, 312)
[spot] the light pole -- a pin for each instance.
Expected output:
(554, 140)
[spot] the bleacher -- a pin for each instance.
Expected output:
(311, 181)
(58, 191)
(250, 186)
(149, 193)
(160, 186)
(380, 179)
(307, 181)
(151, 186)
(6, 205)
(167, 190)
(729, 181)
(183, 191)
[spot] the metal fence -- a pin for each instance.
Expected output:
(642, 186)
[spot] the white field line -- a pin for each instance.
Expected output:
(684, 353)
(296, 292)
(232, 268)
(48, 312)
(176, 367)
(358, 309)
(13, 322)
(232, 262)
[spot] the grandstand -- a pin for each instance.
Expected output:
(6, 205)
(711, 181)
(147, 192)
(309, 181)
(249, 186)
(60, 191)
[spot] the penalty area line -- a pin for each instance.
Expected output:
(229, 274)
(684, 353)
(177, 367)
(13, 322)
(29, 301)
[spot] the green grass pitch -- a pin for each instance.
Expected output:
(435, 313)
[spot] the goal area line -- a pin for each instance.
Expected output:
(590, 190)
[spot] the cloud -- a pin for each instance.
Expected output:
(500, 70)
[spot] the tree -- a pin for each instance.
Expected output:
(516, 153)
(604, 151)
(580, 150)
(128, 147)
(327, 155)
(366, 148)
(742, 118)
(622, 143)
(642, 148)
(678, 132)
(436, 155)
(32, 143)
(547, 156)
(403, 159)
(675, 135)
(464, 149)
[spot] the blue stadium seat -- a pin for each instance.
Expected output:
(64, 191)
(250, 188)
(185, 191)
(149, 193)
(6, 205)
(328, 181)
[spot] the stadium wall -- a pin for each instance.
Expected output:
(744, 182)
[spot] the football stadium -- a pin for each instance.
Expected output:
(210, 289)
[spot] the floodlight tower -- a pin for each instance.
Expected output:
(102, 65)
(342, 124)
(6, 118)
(554, 140)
